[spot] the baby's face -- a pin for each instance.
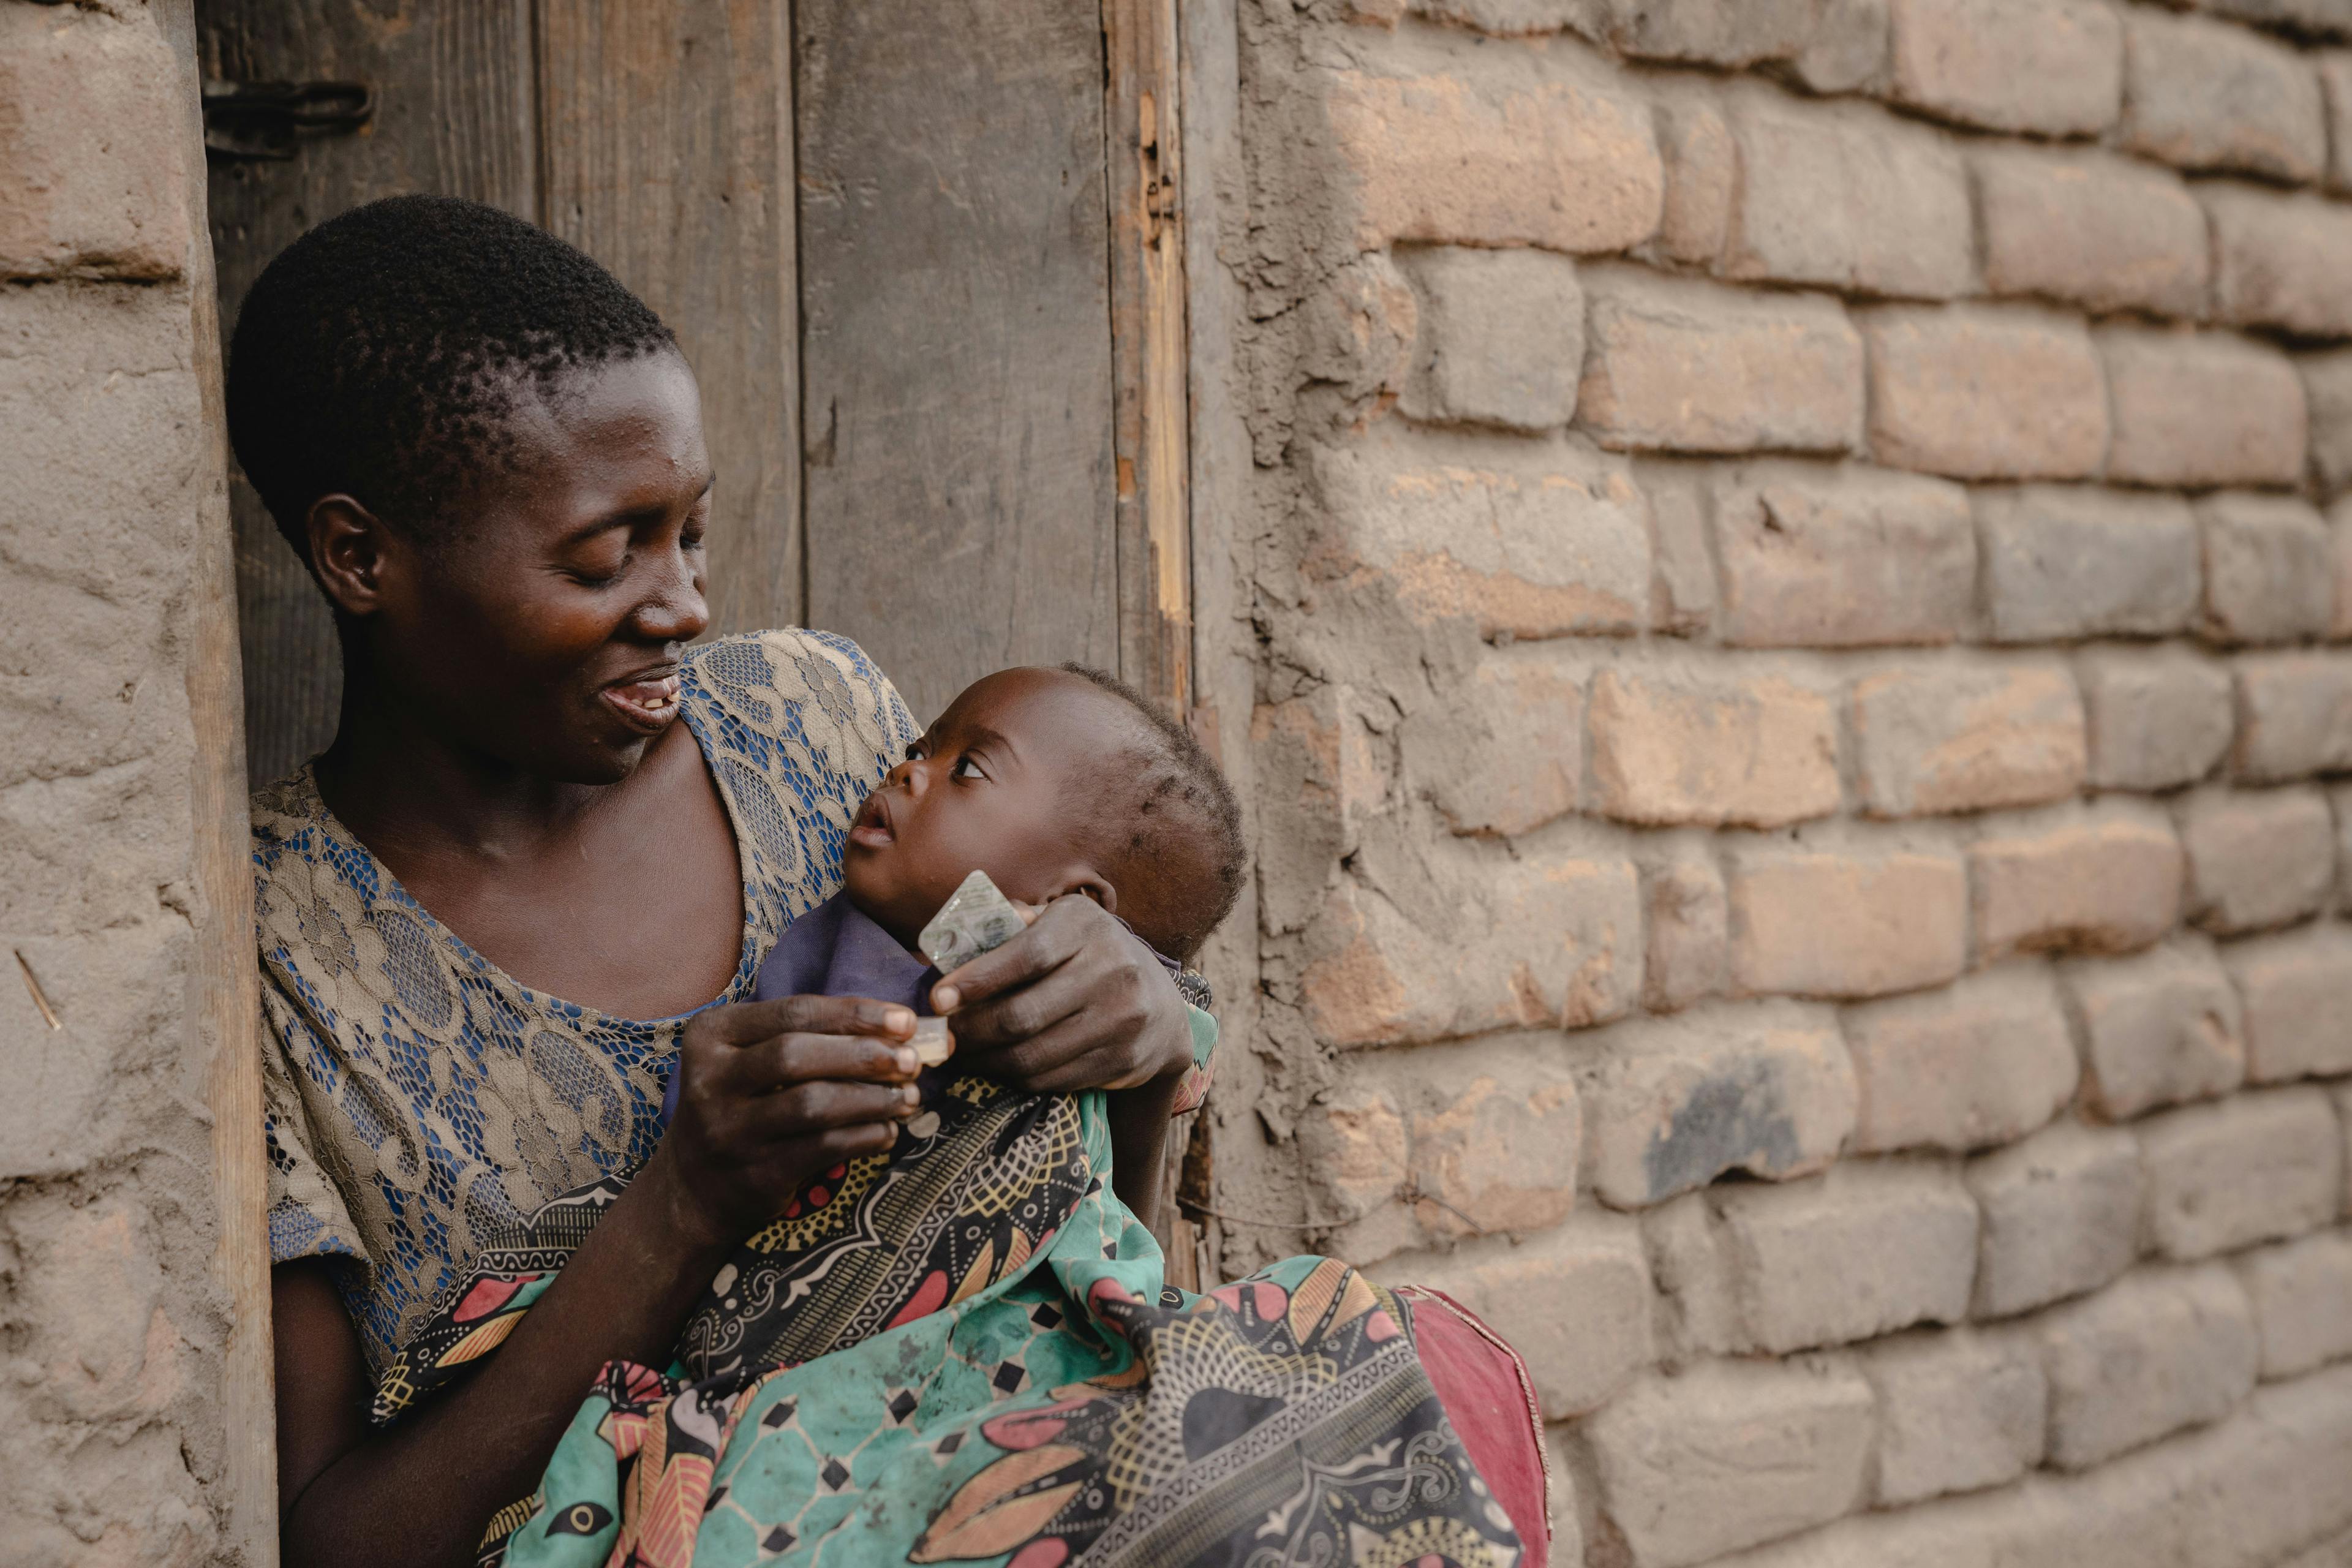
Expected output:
(988, 786)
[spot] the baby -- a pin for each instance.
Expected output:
(1057, 784)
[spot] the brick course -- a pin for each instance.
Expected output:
(1985, 1062)
(2200, 409)
(1955, 1412)
(2278, 259)
(1500, 337)
(2090, 228)
(1939, 738)
(1844, 197)
(1676, 364)
(2156, 1029)
(2298, 997)
(2203, 95)
(1757, 750)
(1772, 1449)
(2058, 1215)
(1844, 922)
(1814, 556)
(2257, 858)
(2298, 1290)
(2155, 718)
(2258, 1166)
(2152, 1353)
(2055, 69)
(2068, 562)
(1984, 393)
(1452, 156)
(2269, 574)
(2104, 880)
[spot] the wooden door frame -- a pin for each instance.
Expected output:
(1150, 361)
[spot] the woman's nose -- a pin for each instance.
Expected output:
(676, 611)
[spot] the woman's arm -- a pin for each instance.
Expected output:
(774, 1092)
(1078, 1002)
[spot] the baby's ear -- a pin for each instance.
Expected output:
(1093, 885)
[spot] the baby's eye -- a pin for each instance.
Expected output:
(961, 766)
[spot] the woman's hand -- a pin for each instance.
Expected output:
(773, 1094)
(1074, 1001)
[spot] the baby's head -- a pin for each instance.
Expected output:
(1053, 782)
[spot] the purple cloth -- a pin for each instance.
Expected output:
(834, 950)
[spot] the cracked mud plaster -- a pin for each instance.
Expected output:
(111, 1327)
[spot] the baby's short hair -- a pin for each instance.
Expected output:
(1165, 813)
(381, 354)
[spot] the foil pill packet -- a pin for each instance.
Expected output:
(977, 918)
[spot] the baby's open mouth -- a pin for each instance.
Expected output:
(648, 703)
(871, 826)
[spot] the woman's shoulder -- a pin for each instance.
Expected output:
(812, 685)
(798, 726)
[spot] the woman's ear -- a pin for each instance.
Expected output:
(351, 553)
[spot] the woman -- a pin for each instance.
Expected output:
(517, 892)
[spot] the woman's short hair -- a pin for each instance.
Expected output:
(381, 354)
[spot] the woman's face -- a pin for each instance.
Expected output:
(547, 630)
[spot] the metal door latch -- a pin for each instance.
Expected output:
(271, 118)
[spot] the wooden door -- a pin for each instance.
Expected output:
(957, 353)
(936, 239)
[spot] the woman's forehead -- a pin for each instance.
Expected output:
(607, 438)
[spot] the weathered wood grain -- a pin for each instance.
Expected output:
(453, 116)
(224, 986)
(666, 154)
(1148, 348)
(956, 353)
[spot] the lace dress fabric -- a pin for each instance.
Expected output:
(420, 1101)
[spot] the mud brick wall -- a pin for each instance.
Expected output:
(1800, 569)
(114, 1435)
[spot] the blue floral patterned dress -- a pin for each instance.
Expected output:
(422, 1102)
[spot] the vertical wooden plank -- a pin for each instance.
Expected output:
(666, 130)
(453, 116)
(225, 988)
(956, 353)
(1149, 348)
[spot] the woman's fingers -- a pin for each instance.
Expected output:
(809, 1110)
(772, 1065)
(1070, 1055)
(745, 1022)
(1032, 1009)
(1063, 930)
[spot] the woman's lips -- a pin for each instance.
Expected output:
(871, 826)
(648, 704)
